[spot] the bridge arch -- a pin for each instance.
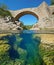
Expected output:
(24, 13)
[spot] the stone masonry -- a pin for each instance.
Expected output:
(43, 12)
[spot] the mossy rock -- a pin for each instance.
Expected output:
(47, 54)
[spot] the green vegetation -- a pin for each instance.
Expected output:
(5, 49)
(11, 53)
(3, 6)
(25, 50)
(3, 11)
(47, 53)
(52, 2)
(46, 50)
(26, 27)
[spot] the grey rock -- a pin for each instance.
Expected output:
(6, 24)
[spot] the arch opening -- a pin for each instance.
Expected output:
(27, 18)
(24, 13)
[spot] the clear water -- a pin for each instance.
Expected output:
(22, 49)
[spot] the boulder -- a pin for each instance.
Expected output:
(7, 24)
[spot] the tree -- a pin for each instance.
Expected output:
(4, 10)
(3, 6)
(52, 2)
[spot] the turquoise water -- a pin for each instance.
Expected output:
(23, 49)
(27, 49)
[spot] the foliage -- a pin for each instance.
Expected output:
(4, 47)
(25, 27)
(47, 53)
(3, 10)
(11, 52)
(3, 6)
(4, 13)
(28, 27)
(52, 2)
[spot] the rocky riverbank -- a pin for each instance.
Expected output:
(7, 24)
(44, 24)
(47, 48)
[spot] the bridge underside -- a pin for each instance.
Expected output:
(24, 13)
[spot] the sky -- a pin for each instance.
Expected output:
(20, 4)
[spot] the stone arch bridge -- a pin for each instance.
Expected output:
(42, 11)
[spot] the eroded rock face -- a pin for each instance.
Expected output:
(45, 23)
(7, 24)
